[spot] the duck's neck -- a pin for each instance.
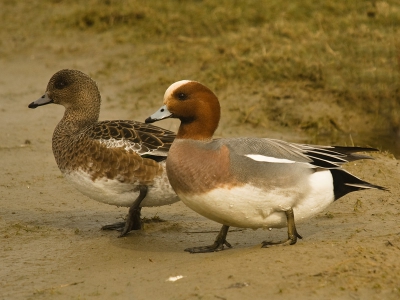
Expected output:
(197, 129)
(187, 132)
(75, 120)
(66, 135)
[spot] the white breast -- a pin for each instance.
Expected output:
(114, 192)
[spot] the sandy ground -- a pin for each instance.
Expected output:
(52, 246)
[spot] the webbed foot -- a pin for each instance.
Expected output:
(218, 245)
(292, 233)
(133, 221)
(119, 226)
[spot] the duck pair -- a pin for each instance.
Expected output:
(241, 182)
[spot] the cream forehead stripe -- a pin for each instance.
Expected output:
(174, 86)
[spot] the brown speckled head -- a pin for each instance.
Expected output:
(196, 106)
(78, 93)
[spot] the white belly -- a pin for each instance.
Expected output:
(117, 193)
(251, 207)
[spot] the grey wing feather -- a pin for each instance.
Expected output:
(267, 147)
(329, 157)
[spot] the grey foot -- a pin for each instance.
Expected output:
(218, 245)
(133, 221)
(119, 226)
(292, 233)
(290, 241)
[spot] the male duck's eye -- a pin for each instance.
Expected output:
(182, 96)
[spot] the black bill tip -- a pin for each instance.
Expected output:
(44, 100)
(33, 105)
(148, 120)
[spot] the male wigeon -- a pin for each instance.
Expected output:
(248, 182)
(119, 162)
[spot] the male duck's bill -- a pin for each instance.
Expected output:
(162, 113)
(249, 182)
(44, 100)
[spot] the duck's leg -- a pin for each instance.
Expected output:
(218, 245)
(133, 221)
(292, 233)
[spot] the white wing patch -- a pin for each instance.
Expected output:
(258, 157)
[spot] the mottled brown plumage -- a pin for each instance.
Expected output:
(92, 150)
(110, 161)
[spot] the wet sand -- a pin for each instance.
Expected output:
(52, 246)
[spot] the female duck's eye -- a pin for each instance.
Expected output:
(182, 96)
(60, 84)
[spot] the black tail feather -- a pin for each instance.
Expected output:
(333, 156)
(349, 152)
(344, 183)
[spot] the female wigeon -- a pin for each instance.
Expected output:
(248, 182)
(117, 162)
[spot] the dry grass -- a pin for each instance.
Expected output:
(318, 67)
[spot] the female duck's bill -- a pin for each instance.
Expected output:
(44, 100)
(249, 182)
